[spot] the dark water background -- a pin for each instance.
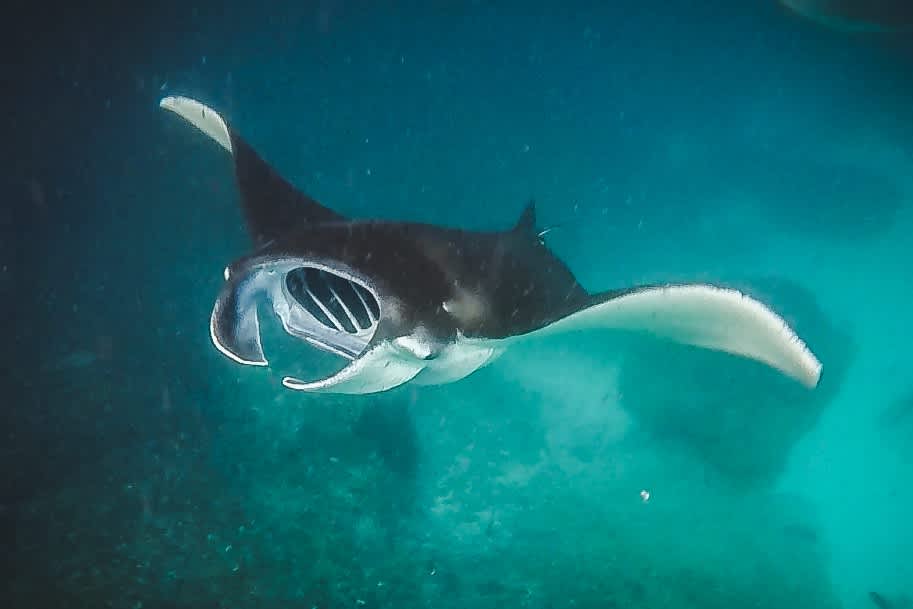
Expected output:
(686, 140)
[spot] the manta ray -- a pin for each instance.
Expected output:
(873, 16)
(407, 302)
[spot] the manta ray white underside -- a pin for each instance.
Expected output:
(701, 315)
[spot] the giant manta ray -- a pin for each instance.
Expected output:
(408, 302)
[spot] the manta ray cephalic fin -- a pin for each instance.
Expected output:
(380, 369)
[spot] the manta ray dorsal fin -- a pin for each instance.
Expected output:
(270, 203)
(703, 316)
(526, 223)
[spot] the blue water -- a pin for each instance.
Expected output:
(686, 141)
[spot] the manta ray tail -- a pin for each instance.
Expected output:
(270, 204)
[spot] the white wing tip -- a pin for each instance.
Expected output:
(808, 366)
(200, 116)
(788, 352)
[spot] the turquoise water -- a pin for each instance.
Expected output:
(678, 141)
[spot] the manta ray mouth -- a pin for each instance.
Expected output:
(327, 307)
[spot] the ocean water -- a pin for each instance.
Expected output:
(727, 142)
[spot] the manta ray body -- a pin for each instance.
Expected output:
(405, 302)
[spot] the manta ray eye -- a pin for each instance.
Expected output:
(336, 302)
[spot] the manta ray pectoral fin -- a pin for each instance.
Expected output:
(271, 204)
(704, 316)
(379, 369)
(200, 116)
(234, 326)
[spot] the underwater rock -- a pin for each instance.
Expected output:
(735, 416)
(504, 503)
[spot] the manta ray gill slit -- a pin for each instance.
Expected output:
(336, 302)
(332, 311)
